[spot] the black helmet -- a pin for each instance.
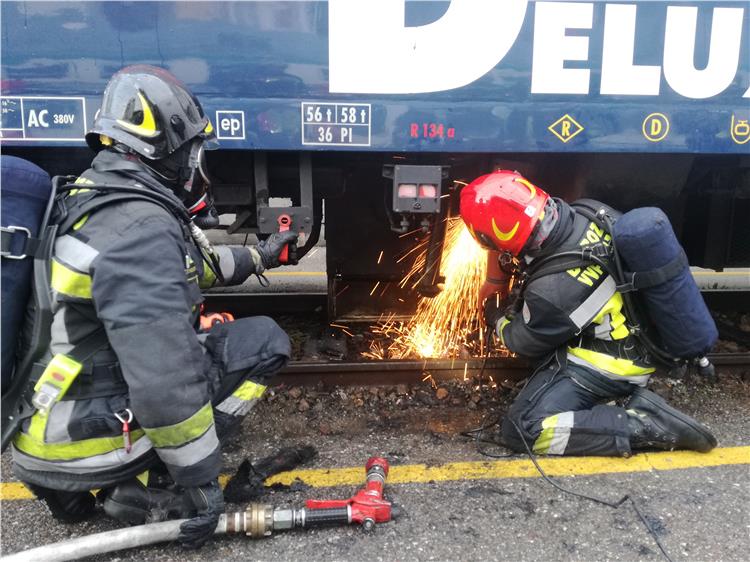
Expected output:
(148, 110)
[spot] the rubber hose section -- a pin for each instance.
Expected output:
(325, 517)
(109, 541)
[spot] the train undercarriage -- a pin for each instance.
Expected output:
(371, 215)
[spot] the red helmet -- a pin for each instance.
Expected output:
(502, 209)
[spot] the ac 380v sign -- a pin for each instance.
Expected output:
(385, 56)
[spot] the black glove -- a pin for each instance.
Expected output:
(270, 248)
(208, 502)
(494, 310)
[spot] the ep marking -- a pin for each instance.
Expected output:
(230, 125)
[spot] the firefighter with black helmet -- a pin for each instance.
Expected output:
(572, 322)
(154, 397)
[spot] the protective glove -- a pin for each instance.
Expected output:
(269, 249)
(489, 289)
(208, 502)
(494, 310)
(497, 281)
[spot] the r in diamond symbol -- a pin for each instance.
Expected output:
(565, 128)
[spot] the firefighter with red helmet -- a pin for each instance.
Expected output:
(571, 322)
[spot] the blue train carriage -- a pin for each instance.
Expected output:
(357, 103)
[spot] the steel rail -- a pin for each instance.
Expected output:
(375, 372)
(396, 371)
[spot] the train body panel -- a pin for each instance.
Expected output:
(374, 75)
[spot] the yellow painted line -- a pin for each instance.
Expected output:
(523, 468)
(295, 274)
(489, 470)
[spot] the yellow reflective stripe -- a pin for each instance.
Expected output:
(38, 426)
(80, 181)
(143, 478)
(503, 324)
(79, 224)
(70, 282)
(528, 184)
(614, 365)
(541, 445)
(249, 390)
(613, 307)
(504, 236)
(208, 278)
(36, 447)
(184, 431)
(147, 128)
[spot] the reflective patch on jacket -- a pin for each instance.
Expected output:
(71, 267)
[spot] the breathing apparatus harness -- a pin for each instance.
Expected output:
(607, 257)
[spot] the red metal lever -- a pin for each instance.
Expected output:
(285, 222)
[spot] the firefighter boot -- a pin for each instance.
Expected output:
(654, 424)
(136, 504)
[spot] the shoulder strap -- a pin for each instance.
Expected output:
(595, 212)
(78, 211)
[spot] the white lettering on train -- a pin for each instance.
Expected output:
(471, 38)
(372, 51)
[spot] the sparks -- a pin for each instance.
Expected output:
(440, 326)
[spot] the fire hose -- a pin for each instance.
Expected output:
(367, 508)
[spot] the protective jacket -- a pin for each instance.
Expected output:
(133, 269)
(578, 308)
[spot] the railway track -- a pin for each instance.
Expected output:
(369, 372)
(411, 371)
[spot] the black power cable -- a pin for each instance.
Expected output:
(476, 434)
(614, 505)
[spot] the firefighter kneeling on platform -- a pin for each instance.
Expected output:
(150, 395)
(571, 320)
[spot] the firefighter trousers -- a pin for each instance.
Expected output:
(562, 410)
